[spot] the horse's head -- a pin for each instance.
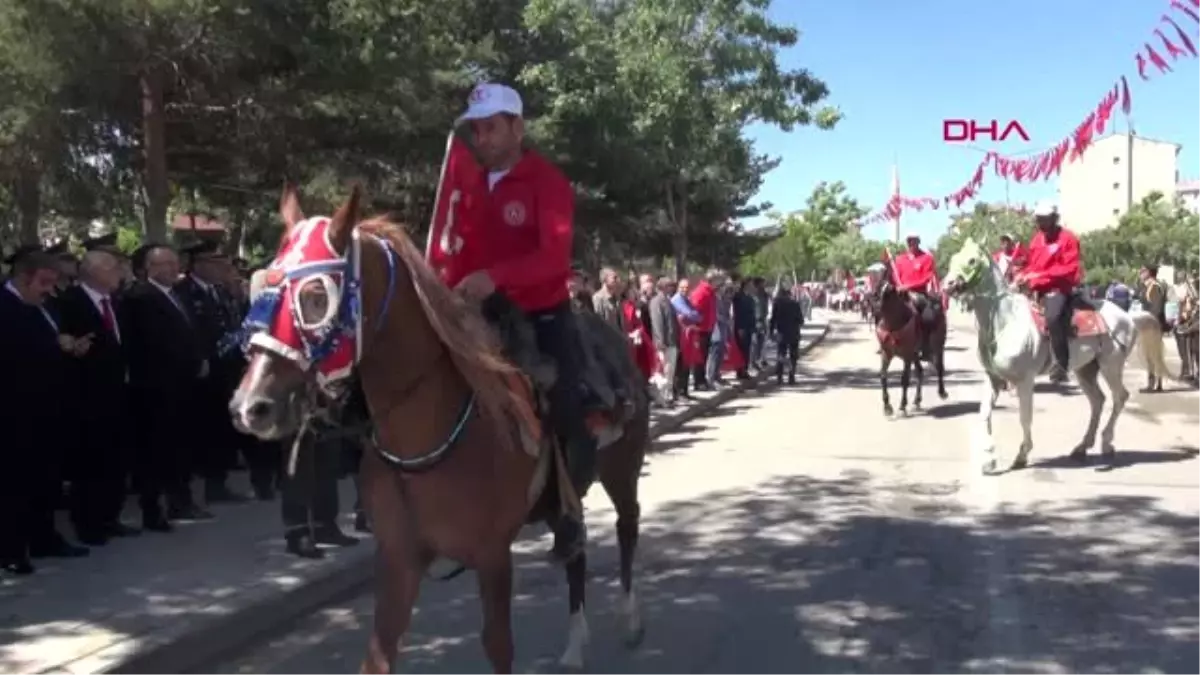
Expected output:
(967, 268)
(303, 333)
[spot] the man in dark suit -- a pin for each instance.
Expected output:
(204, 294)
(99, 461)
(36, 358)
(166, 363)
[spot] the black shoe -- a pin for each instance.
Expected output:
(791, 379)
(157, 524)
(189, 513)
(60, 548)
(20, 567)
(119, 529)
(219, 493)
(332, 535)
(361, 524)
(1058, 374)
(303, 546)
(570, 538)
(91, 538)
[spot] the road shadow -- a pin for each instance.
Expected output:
(840, 575)
(816, 381)
(950, 410)
(1120, 460)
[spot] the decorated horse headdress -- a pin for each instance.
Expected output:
(309, 309)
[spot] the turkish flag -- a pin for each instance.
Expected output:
(734, 358)
(461, 180)
(689, 346)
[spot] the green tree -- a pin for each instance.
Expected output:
(1157, 231)
(986, 223)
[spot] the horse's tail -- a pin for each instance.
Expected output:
(1150, 336)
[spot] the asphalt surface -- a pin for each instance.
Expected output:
(798, 530)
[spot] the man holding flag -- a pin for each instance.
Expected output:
(502, 236)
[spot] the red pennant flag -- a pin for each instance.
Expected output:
(1157, 59)
(457, 191)
(1141, 66)
(1126, 99)
(1186, 10)
(1181, 34)
(1172, 51)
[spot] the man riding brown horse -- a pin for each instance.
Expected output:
(517, 254)
(915, 273)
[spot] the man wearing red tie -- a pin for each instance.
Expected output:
(100, 377)
(916, 274)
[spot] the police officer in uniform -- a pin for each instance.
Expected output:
(203, 292)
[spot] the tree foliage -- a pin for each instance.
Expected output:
(1157, 231)
(816, 241)
(134, 110)
(986, 223)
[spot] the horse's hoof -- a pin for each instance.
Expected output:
(916, 405)
(887, 411)
(943, 395)
(1078, 455)
(988, 468)
(1018, 464)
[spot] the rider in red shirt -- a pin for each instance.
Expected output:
(1052, 270)
(1010, 256)
(916, 274)
(517, 251)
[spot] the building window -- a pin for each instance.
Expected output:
(1116, 186)
(1116, 159)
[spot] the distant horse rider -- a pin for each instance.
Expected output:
(916, 274)
(1052, 271)
(519, 253)
(1010, 256)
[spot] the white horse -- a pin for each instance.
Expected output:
(1013, 349)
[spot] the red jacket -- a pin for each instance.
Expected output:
(1053, 265)
(1018, 255)
(521, 233)
(704, 299)
(915, 272)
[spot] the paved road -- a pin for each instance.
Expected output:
(800, 531)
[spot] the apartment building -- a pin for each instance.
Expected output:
(1189, 192)
(1095, 190)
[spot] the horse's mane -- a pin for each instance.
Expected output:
(473, 347)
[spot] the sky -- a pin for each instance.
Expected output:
(897, 69)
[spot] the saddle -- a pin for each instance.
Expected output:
(603, 384)
(1086, 320)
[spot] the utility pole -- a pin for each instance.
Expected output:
(1129, 166)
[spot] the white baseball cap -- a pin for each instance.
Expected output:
(1045, 208)
(489, 99)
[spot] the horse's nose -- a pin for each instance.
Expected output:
(252, 412)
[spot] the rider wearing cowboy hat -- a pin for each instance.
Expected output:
(916, 273)
(1052, 270)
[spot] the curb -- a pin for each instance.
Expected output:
(195, 647)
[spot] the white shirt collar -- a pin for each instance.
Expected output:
(96, 296)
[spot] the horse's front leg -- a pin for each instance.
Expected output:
(1025, 404)
(920, 383)
(905, 378)
(495, 594)
(940, 364)
(983, 447)
(398, 574)
(885, 361)
(578, 636)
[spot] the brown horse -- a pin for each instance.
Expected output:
(458, 464)
(899, 334)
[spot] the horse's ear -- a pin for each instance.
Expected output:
(289, 207)
(342, 225)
